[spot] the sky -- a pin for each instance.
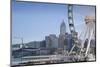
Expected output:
(33, 21)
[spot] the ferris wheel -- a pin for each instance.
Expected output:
(88, 32)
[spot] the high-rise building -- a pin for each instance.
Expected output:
(51, 41)
(43, 44)
(62, 28)
(62, 35)
(48, 42)
(68, 42)
(61, 39)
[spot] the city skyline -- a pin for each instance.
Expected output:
(51, 33)
(34, 21)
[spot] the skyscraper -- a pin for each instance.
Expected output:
(62, 28)
(61, 38)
